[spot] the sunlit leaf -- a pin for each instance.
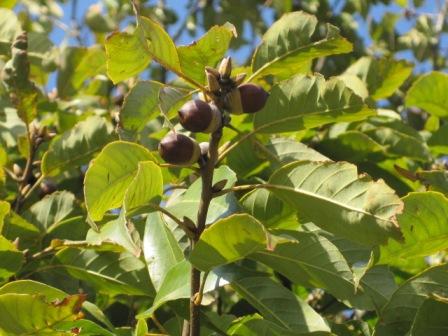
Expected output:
(429, 93)
(109, 175)
(333, 196)
(287, 47)
(304, 102)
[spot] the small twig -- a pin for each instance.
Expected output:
(180, 223)
(230, 148)
(245, 187)
(159, 325)
(197, 299)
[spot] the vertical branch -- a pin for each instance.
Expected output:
(207, 171)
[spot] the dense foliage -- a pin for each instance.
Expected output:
(312, 201)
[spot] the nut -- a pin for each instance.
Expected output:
(179, 149)
(199, 116)
(253, 97)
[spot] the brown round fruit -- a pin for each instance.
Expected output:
(253, 97)
(178, 149)
(199, 116)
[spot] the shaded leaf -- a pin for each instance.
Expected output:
(108, 272)
(435, 180)
(176, 285)
(431, 318)
(398, 314)
(76, 146)
(312, 261)
(279, 305)
(140, 105)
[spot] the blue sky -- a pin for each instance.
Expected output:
(378, 11)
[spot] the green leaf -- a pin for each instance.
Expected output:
(4, 210)
(140, 105)
(160, 248)
(146, 185)
(110, 273)
(435, 180)
(117, 231)
(255, 325)
(243, 235)
(187, 203)
(86, 327)
(8, 3)
(424, 224)
(176, 285)
(288, 150)
(396, 138)
(269, 209)
(279, 305)
(397, 316)
(126, 55)
(287, 48)
(382, 76)
(376, 287)
(76, 146)
(33, 288)
(141, 329)
(438, 142)
(431, 318)
(207, 51)
(50, 211)
(429, 93)
(312, 261)
(304, 102)
(25, 314)
(9, 28)
(334, 197)
(77, 65)
(11, 259)
(160, 45)
(110, 174)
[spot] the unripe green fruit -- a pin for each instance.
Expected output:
(179, 149)
(199, 116)
(253, 97)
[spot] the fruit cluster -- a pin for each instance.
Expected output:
(226, 94)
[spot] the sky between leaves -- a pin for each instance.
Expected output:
(59, 36)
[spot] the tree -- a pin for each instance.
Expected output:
(169, 189)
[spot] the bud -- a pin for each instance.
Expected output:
(239, 78)
(199, 116)
(17, 170)
(204, 146)
(212, 80)
(225, 68)
(179, 149)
